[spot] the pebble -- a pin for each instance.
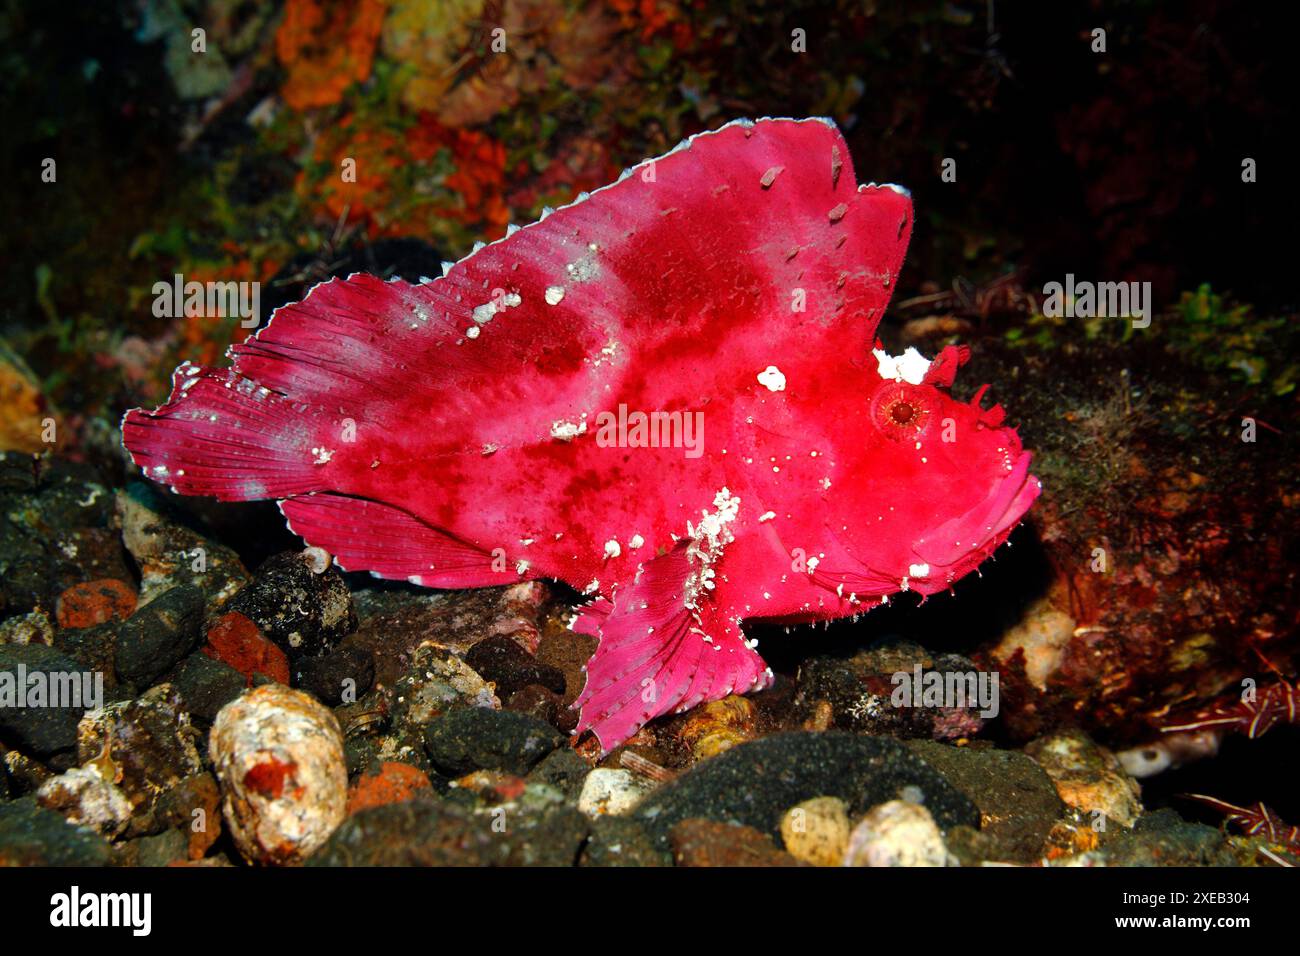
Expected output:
(206, 685)
(278, 755)
(755, 783)
(564, 770)
(341, 676)
(699, 842)
(31, 835)
(31, 628)
(478, 738)
(428, 832)
(235, 640)
(896, 833)
(621, 841)
(168, 553)
(95, 602)
(27, 721)
(436, 681)
(146, 747)
(1087, 776)
(392, 783)
(159, 635)
(304, 609)
(87, 796)
(817, 831)
(510, 668)
(613, 792)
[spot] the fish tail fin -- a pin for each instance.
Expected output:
(658, 653)
(223, 435)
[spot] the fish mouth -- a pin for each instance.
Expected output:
(960, 544)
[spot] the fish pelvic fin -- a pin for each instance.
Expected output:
(660, 654)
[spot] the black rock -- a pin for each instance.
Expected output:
(755, 783)
(304, 612)
(159, 635)
(35, 676)
(477, 738)
(350, 669)
(502, 661)
(30, 835)
(206, 685)
(431, 832)
(622, 841)
(564, 770)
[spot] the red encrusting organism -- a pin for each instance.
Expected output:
(719, 303)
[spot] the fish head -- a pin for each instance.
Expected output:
(949, 479)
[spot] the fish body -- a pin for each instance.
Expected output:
(664, 395)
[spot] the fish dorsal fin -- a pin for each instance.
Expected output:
(659, 654)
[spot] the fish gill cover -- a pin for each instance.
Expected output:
(665, 395)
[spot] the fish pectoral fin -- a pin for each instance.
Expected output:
(658, 653)
(365, 535)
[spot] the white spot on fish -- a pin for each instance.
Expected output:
(554, 294)
(772, 379)
(909, 367)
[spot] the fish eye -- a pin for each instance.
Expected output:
(902, 411)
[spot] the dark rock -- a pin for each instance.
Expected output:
(477, 738)
(511, 668)
(754, 783)
(1017, 800)
(428, 832)
(305, 611)
(564, 770)
(546, 705)
(159, 635)
(206, 685)
(163, 849)
(1163, 838)
(345, 673)
(40, 729)
(30, 835)
(152, 749)
(621, 841)
(700, 842)
(26, 774)
(94, 647)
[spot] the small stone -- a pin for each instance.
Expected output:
(564, 770)
(393, 783)
(817, 831)
(436, 681)
(429, 832)
(31, 835)
(611, 791)
(304, 611)
(95, 602)
(896, 833)
(474, 738)
(235, 640)
(278, 755)
(510, 668)
(206, 685)
(342, 675)
(32, 678)
(621, 841)
(31, 628)
(85, 796)
(159, 635)
(698, 842)
(1088, 776)
(145, 746)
